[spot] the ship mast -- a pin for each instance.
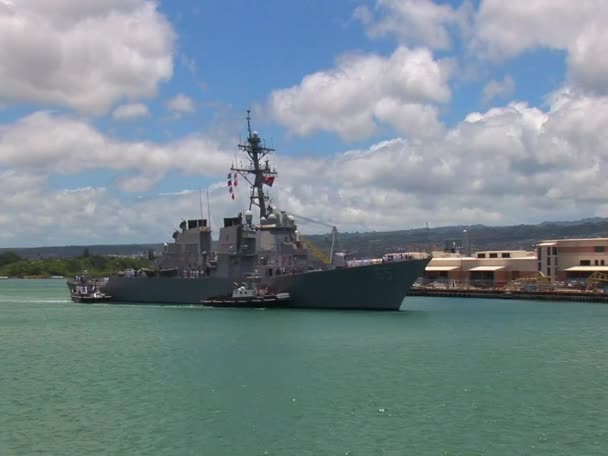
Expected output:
(256, 174)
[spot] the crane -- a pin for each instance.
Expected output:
(315, 250)
(534, 278)
(596, 277)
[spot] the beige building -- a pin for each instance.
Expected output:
(489, 268)
(561, 260)
(572, 259)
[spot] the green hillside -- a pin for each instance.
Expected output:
(12, 265)
(368, 244)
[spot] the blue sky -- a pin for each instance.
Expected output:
(386, 114)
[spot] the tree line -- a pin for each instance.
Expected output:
(12, 265)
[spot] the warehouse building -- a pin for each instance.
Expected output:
(485, 268)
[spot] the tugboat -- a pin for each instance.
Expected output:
(249, 294)
(87, 291)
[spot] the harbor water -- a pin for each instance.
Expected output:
(444, 376)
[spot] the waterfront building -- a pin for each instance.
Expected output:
(558, 260)
(483, 268)
(567, 260)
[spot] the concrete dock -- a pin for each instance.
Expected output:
(556, 295)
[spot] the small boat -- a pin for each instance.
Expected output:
(96, 296)
(249, 294)
(87, 291)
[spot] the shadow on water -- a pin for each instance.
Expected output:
(375, 314)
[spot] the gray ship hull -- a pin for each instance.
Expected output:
(373, 287)
(166, 290)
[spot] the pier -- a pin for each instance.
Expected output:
(555, 295)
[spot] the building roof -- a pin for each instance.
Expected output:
(486, 268)
(587, 269)
(528, 252)
(555, 241)
(440, 268)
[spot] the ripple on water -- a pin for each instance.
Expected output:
(447, 377)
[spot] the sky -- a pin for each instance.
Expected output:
(120, 118)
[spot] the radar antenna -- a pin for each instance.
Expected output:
(256, 174)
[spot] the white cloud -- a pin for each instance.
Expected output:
(130, 111)
(34, 214)
(83, 55)
(494, 89)
(138, 183)
(50, 143)
(365, 91)
(180, 103)
(511, 164)
(507, 28)
(414, 21)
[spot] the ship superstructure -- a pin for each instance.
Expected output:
(271, 247)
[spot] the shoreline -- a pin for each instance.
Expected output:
(573, 296)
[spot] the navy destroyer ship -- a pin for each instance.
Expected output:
(188, 271)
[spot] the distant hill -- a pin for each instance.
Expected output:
(372, 244)
(576, 222)
(481, 237)
(73, 251)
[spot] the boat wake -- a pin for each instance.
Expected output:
(16, 300)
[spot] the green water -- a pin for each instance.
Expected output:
(442, 377)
